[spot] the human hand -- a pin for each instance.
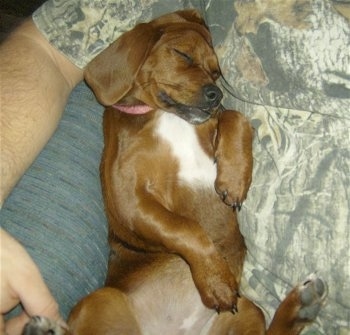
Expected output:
(21, 282)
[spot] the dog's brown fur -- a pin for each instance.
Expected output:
(177, 250)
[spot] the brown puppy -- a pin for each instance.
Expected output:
(173, 176)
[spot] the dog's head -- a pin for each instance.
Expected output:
(168, 63)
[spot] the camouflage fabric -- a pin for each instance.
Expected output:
(286, 65)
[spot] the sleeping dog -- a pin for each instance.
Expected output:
(175, 169)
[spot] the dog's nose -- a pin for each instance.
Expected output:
(212, 94)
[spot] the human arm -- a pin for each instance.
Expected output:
(36, 80)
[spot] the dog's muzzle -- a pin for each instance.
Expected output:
(210, 99)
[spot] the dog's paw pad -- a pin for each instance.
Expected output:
(313, 293)
(39, 325)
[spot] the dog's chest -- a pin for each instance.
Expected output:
(195, 166)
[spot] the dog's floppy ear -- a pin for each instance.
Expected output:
(111, 74)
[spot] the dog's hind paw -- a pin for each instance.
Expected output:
(39, 325)
(313, 292)
(300, 307)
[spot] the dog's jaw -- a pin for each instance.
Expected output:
(192, 114)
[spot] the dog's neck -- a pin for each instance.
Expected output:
(133, 109)
(195, 166)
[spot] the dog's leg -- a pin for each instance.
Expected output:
(106, 311)
(299, 308)
(179, 235)
(233, 154)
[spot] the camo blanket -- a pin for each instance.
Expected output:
(286, 65)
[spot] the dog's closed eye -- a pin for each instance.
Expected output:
(184, 56)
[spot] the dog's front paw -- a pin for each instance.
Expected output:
(233, 180)
(39, 325)
(216, 285)
(232, 188)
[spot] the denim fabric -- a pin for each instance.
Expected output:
(56, 210)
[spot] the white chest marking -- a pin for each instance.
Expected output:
(196, 167)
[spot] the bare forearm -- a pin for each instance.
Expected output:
(36, 81)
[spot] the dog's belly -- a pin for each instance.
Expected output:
(169, 303)
(196, 167)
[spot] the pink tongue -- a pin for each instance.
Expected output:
(135, 109)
